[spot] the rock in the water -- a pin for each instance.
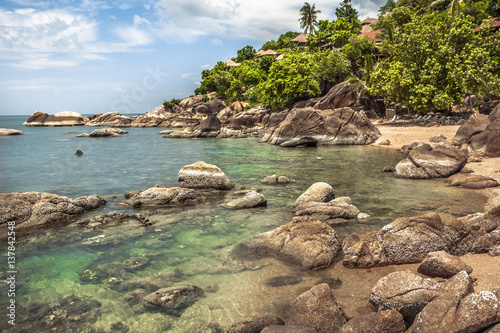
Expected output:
(205, 176)
(312, 245)
(173, 300)
(6, 131)
(32, 211)
(387, 321)
(383, 142)
(162, 196)
(255, 324)
(112, 219)
(284, 280)
(311, 127)
(65, 118)
(275, 179)
(424, 163)
(455, 313)
(442, 264)
(317, 192)
(408, 293)
(405, 240)
(340, 208)
(318, 309)
(471, 181)
(103, 132)
(112, 119)
(79, 152)
(250, 200)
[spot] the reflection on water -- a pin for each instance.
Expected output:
(191, 245)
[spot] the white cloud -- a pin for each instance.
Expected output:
(216, 42)
(205, 66)
(191, 76)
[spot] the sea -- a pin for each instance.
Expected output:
(189, 245)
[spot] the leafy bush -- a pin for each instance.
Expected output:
(170, 104)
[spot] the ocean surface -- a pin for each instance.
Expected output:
(188, 245)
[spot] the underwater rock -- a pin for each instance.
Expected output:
(284, 280)
(173, 300)
(135, 263)
(32, 211)
(201, 175)
(254, 324)
(275, 179)
(250, 200)
(112, 219)
(312, 245)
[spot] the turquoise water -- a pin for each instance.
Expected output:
(188, 245)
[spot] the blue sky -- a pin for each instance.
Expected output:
(96, 56)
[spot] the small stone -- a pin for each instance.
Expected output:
(79, 153)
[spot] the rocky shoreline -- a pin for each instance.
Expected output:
(427, 272)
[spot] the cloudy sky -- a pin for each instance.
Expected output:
(95, 56)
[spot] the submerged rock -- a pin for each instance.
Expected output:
(112, 219)
(32, 211)
(173, 300)
(201, 175)
(65, 118)
(254, 324)
(250, 200)
(6, 131)
(312, 245)
(311, 127)
(275, 179)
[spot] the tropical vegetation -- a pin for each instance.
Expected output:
(431, 57)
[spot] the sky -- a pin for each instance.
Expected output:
(97, 56)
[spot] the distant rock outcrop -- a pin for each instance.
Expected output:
(6, 131)
(312, 127)
(110, 119)
(66, 118)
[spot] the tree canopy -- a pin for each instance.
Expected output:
(308, 17)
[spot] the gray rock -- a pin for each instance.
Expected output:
(162, 196)
(172, 300)
(112, 219)
(32, 211)
(455, 313)
(104, 132)
(337, 208)
(250, 200)
(312, 245)
(205, 176)
(378, 322)
(442, 264)
(318, 309)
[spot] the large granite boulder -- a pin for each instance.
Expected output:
(208, 128)
(111, 119)
(255, 324)
(456, 313)
(312, 127)
(406, 240)
(425, 162)
(408, 293)
(386, 321)
(471, 181)
(337, 209)
(173, 300)
(201, 175)
(251, 200)
(32, 211)
(318, 309)
(341, 95)
(6, 131)
(442, 264)
(317, 192)
(103, 133)
(65, 118)
(481, 133)
(477, 229)
(312, 245)
(162, 196)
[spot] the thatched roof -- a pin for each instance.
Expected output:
(373, 35)
(301, 38)
(369, 21)
(262, 53)
(231, 63)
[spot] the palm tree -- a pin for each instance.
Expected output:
(308, 18)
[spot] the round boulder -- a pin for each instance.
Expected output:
(250, 200)
(204, 176)
(442, 264)
(317, 192)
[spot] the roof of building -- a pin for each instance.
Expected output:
(262, 53)
(301, 38)
(494, 23)
(231, 63)
(373, 35)
(369, 21)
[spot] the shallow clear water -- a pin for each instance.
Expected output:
(189, 245)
